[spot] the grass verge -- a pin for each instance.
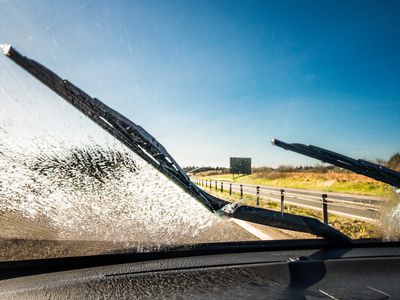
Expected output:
(327, 182)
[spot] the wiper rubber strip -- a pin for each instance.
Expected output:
(148, 148)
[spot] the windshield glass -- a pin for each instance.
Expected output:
(213, 83)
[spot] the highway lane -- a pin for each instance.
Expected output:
(354, 206)
(35, 238)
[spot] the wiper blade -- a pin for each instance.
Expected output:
(289, 222)
(132, 135)
(147, 147)
(358, 166)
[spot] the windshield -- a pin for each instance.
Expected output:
(177, 150)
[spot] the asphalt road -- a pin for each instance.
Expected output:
(354, 206)
(34, 238)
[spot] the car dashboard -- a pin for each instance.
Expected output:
(312, 269)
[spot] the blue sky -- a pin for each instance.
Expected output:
(214, 79)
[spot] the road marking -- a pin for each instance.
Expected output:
(335, 212)
(251, 229)
(312, 194)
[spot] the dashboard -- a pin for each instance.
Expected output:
(272, 270)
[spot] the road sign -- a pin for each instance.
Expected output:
(240, 165)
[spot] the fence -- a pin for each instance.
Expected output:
(359, 207)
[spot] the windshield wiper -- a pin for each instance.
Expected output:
(132, 135)
(359, 166)
(147, 147)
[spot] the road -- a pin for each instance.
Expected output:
(34, 238)
(354, 206)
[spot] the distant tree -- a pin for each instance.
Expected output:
(381, 162)
(189, 168)
(394, 162)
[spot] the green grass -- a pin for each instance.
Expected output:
(310, 181)
(354, 228)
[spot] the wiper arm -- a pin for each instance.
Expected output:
(359, 166)
(148, 148)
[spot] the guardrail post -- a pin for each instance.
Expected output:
(230, 189)
(282, 201)
(241, 191)
(222, 187)
(325, 208)
(258, 195)
(210, 185)
(216, 185)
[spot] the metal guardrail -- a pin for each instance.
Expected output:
(320, 202)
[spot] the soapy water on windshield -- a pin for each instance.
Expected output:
(98, 194)
(62, 170)
(390, 217)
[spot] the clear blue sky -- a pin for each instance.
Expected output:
(214, 79)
